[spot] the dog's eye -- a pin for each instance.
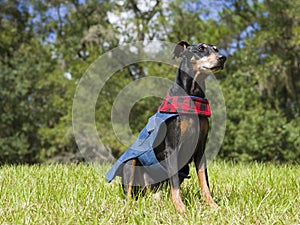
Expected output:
(201, 48)
(216, 49)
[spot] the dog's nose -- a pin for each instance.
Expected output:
(222, 58)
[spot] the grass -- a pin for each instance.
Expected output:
(78, 194)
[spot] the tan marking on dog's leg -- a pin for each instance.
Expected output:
(131, 179)
(177, 201)
(206, 195)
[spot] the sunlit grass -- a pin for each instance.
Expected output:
(78, 194)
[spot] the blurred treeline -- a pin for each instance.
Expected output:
(46, 46)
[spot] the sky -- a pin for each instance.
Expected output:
(120, 19)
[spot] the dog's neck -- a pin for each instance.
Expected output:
(188, 82)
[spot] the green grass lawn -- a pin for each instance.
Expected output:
(79, 194)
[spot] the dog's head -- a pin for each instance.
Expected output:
(200, 57)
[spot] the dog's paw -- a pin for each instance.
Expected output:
(212, 204)
(179, 206)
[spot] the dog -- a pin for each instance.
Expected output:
(182, 137)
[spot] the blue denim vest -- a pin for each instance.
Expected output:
(142, 149)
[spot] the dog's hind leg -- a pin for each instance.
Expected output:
(131, 179)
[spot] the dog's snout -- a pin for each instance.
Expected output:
(222, 58)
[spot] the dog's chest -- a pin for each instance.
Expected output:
(192, 126)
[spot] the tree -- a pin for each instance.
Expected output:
(46, 47)
(260, 92)
(24, 97)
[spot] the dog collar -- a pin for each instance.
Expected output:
(185, 105)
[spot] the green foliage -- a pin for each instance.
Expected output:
(45, 48)
(257, 132)
(261, 87)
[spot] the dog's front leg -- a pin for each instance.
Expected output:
(175, 194)
(172, 165)
(200, 163)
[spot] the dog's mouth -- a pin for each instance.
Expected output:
(214, 68)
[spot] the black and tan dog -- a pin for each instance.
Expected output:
(185, 135)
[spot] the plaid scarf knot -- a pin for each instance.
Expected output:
(185, 105)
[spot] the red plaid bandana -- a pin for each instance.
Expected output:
(185, 105)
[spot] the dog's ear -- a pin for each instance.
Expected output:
(179, 48)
